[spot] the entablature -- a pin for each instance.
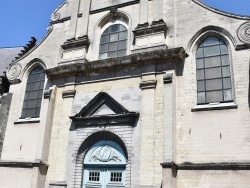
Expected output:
(153, 61)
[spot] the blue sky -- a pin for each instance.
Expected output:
(22, 19)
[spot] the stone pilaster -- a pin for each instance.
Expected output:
(60, 134)
(143, 11)
(169, 131)
(158, 9)
(73, 8)
(82, 29)
(75, 48)
(147, 85)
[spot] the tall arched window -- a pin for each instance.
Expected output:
(33, 93)
(213, 72)
(113, 42)
(104, 166)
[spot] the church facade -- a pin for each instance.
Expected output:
(131, 94)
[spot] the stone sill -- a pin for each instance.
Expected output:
(27, 120)
(214, 106)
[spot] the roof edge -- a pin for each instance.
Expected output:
(221, 12)
(4, 47)
(49, 30)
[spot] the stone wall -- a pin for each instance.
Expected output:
(4, 113)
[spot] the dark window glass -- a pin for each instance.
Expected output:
(116, 177)
(213, 72)
(113, 42)
(33, 94)
(94, 176)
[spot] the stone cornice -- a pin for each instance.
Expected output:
(115, 6)
(175, 57)
(167, 78)
(75, 43)
(156, 26)
(68, 93)
(207, 166)
(60, 20)
(22, 164)
(110, 120)
(149, 84)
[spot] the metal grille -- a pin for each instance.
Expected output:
(94, 176)
(113, 42)
(33, 93)
(116, 177)
(213, 72)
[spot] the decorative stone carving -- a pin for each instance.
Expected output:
(50, 28)
(114, 14)
(14, 71)
(244, 32)
(67, 55)
(152, 40)
(143, 41)
(104, 154)
(55, 16)
(150, 37)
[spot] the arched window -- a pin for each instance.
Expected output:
(33, 93)
(104, 165)
(113, 42)
(213, 72)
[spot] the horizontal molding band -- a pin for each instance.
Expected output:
(139, 63)
(128, 119)
(207, 166)
(22, 164)
(60, 20)
(114, 6)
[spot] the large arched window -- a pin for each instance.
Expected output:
(213, 72)
(33, 93)
(104, 166)
(113, 42)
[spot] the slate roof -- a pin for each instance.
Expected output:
(6, 56)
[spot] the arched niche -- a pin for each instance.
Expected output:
(104, 165)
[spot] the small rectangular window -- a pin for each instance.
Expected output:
(94, 176)
(116, 177)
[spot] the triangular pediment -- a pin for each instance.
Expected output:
(102, 104)
(103, 110)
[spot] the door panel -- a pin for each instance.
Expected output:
(104, 178)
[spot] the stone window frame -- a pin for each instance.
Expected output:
(201, 57)
(192, 48)
(109, 25)
(28, 91)
(120, 17)
(24, 78)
